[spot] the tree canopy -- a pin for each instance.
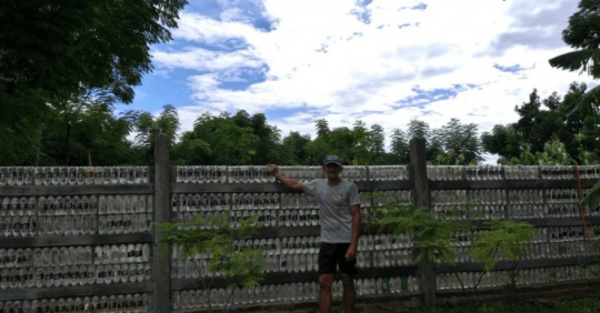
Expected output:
(544, 122)
(89, 133)
(583, 35)
(53, 52)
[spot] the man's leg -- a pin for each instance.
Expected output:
(349, 293)
(325, 282)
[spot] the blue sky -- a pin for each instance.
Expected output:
(379, 61)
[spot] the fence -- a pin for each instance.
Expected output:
(80, 239)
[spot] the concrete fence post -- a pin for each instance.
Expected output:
(418, 160)
(161, 265)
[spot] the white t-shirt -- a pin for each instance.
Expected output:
(334, 202)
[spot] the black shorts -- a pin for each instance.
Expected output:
(333, 254)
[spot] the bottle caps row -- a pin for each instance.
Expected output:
(223, 174)
(73, 175)
(502, 196)
(266, 218)
(259, 173)
(74, 255)
(519, 211)
(69, 205)
(74, 275)
(295, 261)
(186, 300)
(520, 172)
(285, 245)
(133, 303)
(214, 202)
(115, 204)
(69, 225)
(240, 201)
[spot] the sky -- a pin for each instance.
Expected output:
(383, 62)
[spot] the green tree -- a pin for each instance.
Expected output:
(201, 147)
(270, 146)
(399, 147)
(418, 129)
(295, 143)
(356, 146)
(421, 129)
(53, 51)
(582, 126)
(554, 153)
(360, 144)
(71, 114)
(97, 137)
(322, 127)
(376, 145)
(526, 125)
(582, 34)
(503, 141)
(542, 121)
(242, 119)
(321, 146)
(317, 149)
(147, 127)
(459, 144)
(218, 140)
(343, 142)
(191, 150)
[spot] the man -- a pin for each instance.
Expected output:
(339, 217)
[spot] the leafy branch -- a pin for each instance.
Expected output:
(434, 233)
(213, 236)
(507, 239)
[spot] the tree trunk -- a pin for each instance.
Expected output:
(68, 141)
(38, 150)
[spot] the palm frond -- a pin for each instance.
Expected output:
(584, 60)
(586, 101)
(592, 198)
(576, 60)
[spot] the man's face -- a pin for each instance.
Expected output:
(332, 170)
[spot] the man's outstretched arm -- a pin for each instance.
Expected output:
(288, 182)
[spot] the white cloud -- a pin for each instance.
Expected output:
(196, 27)
(205, 60)
(326, 62)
